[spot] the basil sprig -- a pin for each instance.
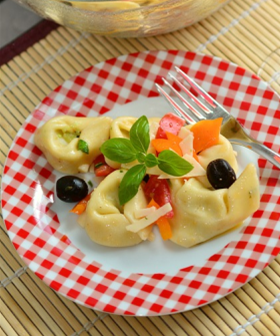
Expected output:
(83, 146)
(119, 149)
(130, 183)
(171, 163)
(128, 150)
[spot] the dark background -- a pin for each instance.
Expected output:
(14, 21)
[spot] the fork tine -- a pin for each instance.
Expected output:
(191, 110)
(176, 108)
(197, 88)
(202, 109)
(231, 129)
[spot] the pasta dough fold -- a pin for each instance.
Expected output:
(201, 214)
(105, 220)
(58, 139)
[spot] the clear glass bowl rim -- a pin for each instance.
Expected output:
(110, 13)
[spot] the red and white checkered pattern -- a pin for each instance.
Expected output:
(28, 184)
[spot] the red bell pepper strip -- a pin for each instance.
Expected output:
(159, 190)
(101, 168)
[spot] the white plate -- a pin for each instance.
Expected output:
(151, 278)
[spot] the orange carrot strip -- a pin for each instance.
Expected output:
(206, 134)
(164, 228)
(174, 138)
(153, 203)
(161, 144)
(162, 223)
(176, 141)
(80, 207)
(195, 156)
(164, 144)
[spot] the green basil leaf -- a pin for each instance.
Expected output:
(130, 183)
(119, 150)
(151, 160)
(173, 164)
(141, 157)
(140, 134)
(83, 146)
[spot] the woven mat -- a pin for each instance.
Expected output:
(244, 32)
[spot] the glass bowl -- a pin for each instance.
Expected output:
(137, 18)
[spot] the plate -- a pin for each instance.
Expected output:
(151, 278)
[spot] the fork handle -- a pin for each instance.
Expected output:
(262, 150)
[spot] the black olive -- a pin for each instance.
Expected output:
(146, 178)
(71, 189)
(220, 174)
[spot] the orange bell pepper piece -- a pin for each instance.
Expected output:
(206, 134)
(172, 142)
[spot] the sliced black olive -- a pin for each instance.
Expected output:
(220, 174)
(71, 189)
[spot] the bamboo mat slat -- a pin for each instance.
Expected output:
(244, 32)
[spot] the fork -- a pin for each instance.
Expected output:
(204, 106)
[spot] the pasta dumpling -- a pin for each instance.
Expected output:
(121, 126)
(105, 220)
(58, 139)
(200, 213)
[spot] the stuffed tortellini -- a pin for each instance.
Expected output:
(201, 213)
(105, 220)
(58, 139)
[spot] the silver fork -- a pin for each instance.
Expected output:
(193, 109)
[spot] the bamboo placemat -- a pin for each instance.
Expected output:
(244, 32)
